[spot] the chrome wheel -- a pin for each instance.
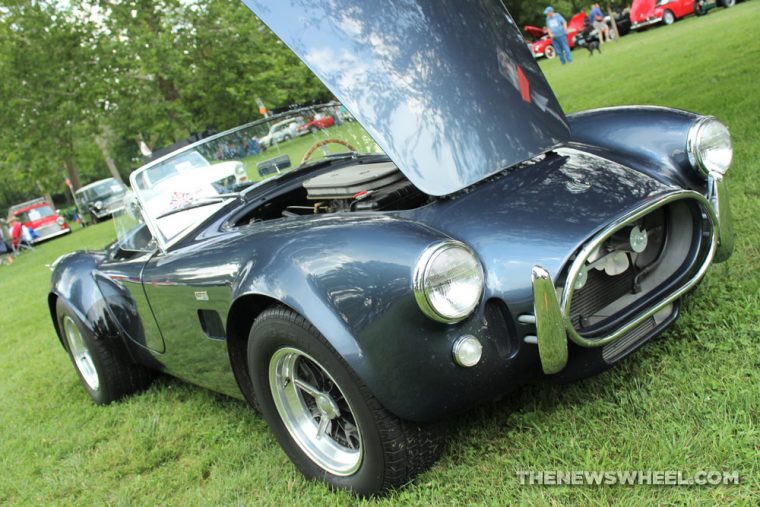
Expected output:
(315, 412)
(80, 353)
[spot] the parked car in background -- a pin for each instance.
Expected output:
(39, 215)
(541, 43)
(101, 199)
(282, 131)
(622, 18)
(223, 175)
(318, 122)
(490, 240)
(645, 13)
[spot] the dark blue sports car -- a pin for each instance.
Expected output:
(463, 237)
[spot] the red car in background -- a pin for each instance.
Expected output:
(39, 215)
(315, 124)
(541, 43)
(649, 12)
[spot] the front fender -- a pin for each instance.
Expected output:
(649, 139)
(352, 279)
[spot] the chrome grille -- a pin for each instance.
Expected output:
(47, 230)
(620, 347)
(599, 291)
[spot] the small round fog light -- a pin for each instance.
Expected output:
(467, 350)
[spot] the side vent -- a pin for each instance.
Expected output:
(211, 324)
(501, 329)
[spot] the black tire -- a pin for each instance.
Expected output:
(394, 451)
(668, 18)
(286, 137)
(313, 130)
(117, 375)
(700, 7)
(727, 3)
(550, 52)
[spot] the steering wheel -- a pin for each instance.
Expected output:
(319, 144)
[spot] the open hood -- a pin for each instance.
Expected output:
(447, 88)
(535, 32)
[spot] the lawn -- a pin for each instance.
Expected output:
(688, 401)
(296, 148)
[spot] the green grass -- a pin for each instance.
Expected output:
(296, 148)
(687, 401)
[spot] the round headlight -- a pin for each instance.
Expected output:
(709, 146)
(448, 282)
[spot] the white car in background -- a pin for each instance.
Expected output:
(224, 176)
(281, 131)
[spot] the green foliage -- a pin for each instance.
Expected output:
(121, 71)
(126, 70)
(687, 401)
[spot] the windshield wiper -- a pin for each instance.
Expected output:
(200, 204)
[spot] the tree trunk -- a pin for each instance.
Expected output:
(103, 145)
(72, 173)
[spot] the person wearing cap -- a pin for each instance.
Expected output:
(558, 32)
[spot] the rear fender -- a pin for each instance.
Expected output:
(74, 283)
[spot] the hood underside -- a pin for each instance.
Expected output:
(447, 88)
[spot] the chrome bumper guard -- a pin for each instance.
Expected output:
(553, 324)
(717, 194)
(552, 341)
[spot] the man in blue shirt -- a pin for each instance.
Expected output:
(558, 32)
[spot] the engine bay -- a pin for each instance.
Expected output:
(378, 186)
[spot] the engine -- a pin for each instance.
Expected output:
(362, 187)
(378, 186)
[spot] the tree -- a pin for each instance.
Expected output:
(48, 92)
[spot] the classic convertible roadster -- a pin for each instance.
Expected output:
(473, 238)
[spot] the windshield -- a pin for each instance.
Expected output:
(181, 190)
(131, 232)
(100, 191)
(35, 214)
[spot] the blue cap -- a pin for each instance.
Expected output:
(548, 10)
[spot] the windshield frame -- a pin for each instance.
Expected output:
(150, 221)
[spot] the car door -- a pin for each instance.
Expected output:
(684, 8)
(190, 292)
(120, 280)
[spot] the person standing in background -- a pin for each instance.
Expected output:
(558, 32)
(15, 227)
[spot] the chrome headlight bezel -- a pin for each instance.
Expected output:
(422, 290)
(695, 148)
